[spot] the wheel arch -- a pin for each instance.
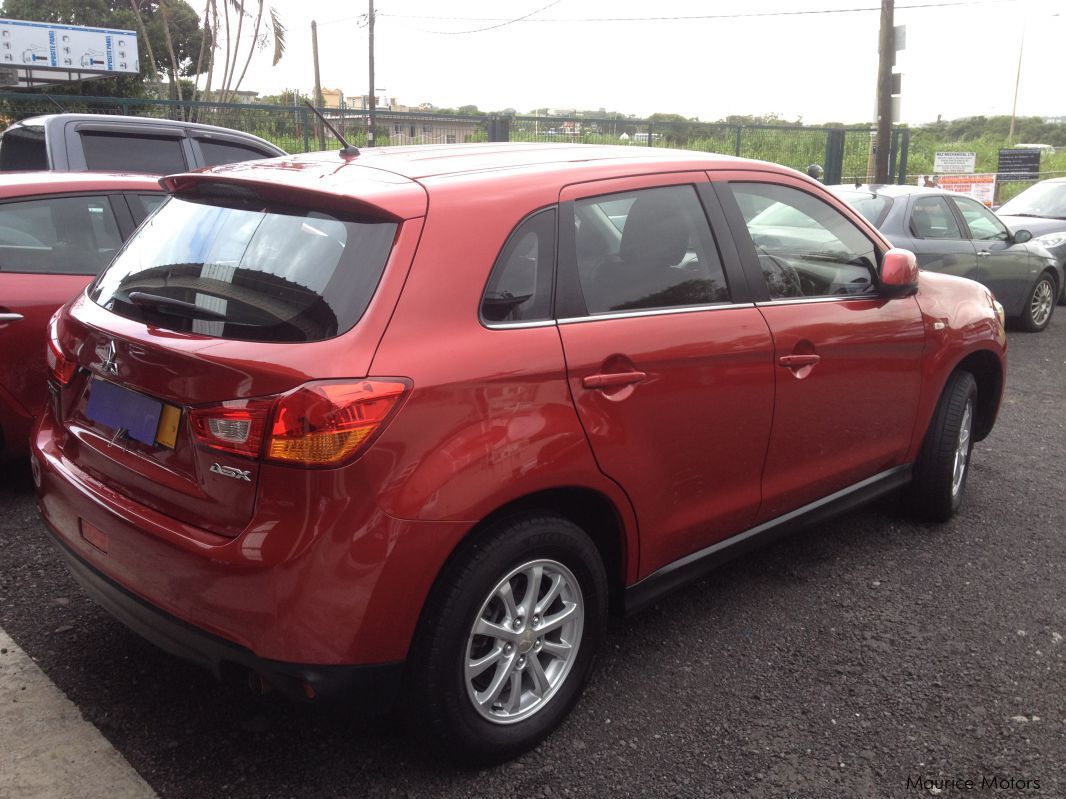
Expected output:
(591, 510)
(988, 372)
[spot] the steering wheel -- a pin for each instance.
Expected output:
(781, 278)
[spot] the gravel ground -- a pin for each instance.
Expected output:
(847, 661)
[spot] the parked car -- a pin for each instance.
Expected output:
(103, 143)
(403, 425)
(1041, 209)
(956, 235)
(57, 231)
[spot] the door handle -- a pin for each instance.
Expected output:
(796, 361)
(613, 379)
(983, 253)
(10, 317)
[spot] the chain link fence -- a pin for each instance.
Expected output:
(844, 153)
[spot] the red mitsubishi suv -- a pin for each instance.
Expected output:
(403, 425)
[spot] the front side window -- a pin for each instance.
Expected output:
(647, 249)
(520, 286)
(805, 247)
(58, 235)
(247, 273)
(983, 224)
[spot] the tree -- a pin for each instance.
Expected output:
(230, 33)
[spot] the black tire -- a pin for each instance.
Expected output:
(1039, 304)
(441, 704)
(936, 491)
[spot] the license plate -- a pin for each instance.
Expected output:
(143, 418)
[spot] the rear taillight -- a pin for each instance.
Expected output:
(236, 426)
(328, 422)
(60, 366)
(323, 423)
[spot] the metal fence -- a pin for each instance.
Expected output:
(844, 153)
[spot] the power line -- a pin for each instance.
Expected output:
(505, 23)
(674, 18)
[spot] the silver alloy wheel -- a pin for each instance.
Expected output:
(1042, 303)
(962, 448)
(524, 641)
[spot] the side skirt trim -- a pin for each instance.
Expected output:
(692, 567)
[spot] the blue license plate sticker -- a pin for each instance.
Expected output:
(122, 409)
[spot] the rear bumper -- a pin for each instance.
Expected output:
(372, 688)
(317, 578)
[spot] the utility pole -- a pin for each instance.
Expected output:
(887, 56)
(372, 98)
(1017, 83)
(318, 85)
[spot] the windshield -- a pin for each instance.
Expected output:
(1044, 199)
(256, 275)
(874, 207)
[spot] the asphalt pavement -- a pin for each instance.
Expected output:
(867, 657)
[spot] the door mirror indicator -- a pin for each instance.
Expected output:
(899, 274)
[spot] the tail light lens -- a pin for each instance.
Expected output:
(323, 423)
(236, 426)
(328, 422)
(61, 368)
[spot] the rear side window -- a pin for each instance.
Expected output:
(255, 275)
(58, 235)
(646, 249)
(520, 286)
(23, 149)
(115, 152)
(931, 218)
(222, 152)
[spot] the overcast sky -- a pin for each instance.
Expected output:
(960, 58)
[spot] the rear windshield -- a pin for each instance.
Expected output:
(254, 275)
(23, 148)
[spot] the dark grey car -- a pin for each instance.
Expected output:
(1041, 209)
(955, 234)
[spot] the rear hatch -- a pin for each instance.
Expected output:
(168, 370)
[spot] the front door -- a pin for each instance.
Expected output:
(845, 360)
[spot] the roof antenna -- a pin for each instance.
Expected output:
(54, 102)
(347, 149)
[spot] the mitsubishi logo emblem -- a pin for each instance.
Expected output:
(110, 363)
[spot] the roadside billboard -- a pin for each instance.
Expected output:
(954, 163)
(46, 46)
(982, 187)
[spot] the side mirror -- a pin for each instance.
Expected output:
(1021, 236)
(899, 274)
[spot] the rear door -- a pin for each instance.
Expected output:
(846, 361)
(668, 360)
(50, 248)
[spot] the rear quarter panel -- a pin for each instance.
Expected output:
(490, 418)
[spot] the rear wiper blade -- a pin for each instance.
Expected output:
(175, 307)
